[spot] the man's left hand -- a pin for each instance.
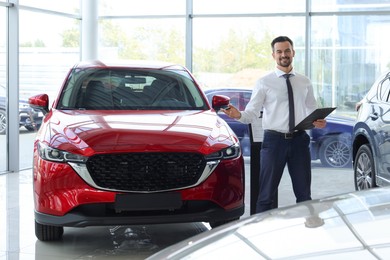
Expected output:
(319, 123)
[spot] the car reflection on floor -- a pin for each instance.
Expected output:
(119, 242)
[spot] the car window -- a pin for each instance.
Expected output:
(383, 89)
(376, 91)
(97, 88)
(246, 96)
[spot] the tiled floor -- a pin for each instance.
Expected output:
(18, 241)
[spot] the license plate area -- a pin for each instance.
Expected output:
(150, 201)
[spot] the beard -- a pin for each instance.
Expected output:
(284, 62)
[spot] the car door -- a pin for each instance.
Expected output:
(380, 125)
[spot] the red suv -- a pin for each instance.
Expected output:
(133, 144)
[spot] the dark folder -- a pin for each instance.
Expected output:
(319, 113)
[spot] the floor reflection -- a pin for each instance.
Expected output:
(18, 241)
(17, 234)
(119, 242)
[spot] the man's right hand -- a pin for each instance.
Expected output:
(232, 112)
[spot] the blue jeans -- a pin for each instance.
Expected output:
(276, 152)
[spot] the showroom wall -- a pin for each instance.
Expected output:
(339, 44)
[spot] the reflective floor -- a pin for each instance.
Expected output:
(18, 241)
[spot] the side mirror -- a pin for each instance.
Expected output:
(220, 101)
(40, 102)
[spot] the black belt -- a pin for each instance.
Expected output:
(286, 135)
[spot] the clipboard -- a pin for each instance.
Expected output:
(319, 113)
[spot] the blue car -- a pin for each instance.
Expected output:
(331, 145)
(371, 137)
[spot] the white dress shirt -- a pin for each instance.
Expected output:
(270, 96)
(257, 130)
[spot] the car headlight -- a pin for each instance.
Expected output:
(55, 155)
(227, 153)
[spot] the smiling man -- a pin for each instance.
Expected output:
(281, 112)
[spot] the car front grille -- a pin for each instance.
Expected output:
(146, 172)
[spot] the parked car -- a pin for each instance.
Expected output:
(346, 226)
(331, 145)
(28, 118)
(371, 137)
(133, 144)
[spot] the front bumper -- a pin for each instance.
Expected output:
(63, 198)
(97, 215)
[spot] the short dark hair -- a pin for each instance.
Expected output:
(281, 39)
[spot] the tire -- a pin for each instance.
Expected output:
(214, 224)
(3, 122)
(335, 151)
(364, 169)
(48, 233)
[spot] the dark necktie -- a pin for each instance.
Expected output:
(291, 122)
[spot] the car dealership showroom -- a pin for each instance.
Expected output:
(115, 141)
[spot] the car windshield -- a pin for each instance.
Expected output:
(130, 89)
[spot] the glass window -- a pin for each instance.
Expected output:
(143, 39)
(47, 51)
(347, 52)
(145, 7)
(69, 6)
(235, 52)
(347, 58)
(349, 5)
(247, 6)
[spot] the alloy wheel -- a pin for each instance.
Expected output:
(335, 152)
(364, 170)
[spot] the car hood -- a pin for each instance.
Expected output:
(347, 226)
(120, 131)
